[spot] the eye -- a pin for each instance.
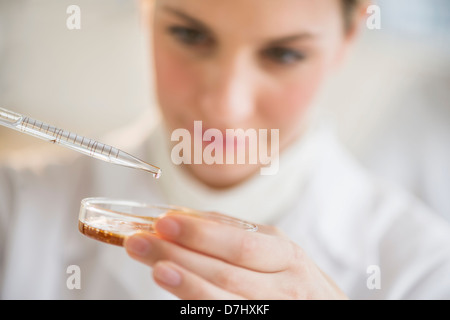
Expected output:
(283, 56)
(190, 36)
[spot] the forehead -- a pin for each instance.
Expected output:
(259, 18)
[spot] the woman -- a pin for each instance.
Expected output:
(327, 228)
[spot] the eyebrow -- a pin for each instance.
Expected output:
(200, 25)
(191, 20)
(294, 37)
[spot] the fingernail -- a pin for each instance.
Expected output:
(138, 245)
(167, 275)
(168, 227)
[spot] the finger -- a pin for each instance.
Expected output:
(252, 250)
(149, 249)
(246, 283)
(187, 285)
(271, 231)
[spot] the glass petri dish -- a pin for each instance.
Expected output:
(112, 221)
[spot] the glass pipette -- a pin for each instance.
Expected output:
(73, 141)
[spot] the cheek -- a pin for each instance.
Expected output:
(175, 83)
(286, 106)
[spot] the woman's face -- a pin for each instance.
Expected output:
(250, 64)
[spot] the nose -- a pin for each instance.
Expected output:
(228, 97)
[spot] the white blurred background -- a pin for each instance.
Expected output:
(391, 103)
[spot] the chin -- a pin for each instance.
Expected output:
(222, 176)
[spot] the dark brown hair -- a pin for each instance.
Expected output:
(350, 8)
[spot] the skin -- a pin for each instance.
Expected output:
(239, 73)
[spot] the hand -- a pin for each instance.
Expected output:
(195, 258)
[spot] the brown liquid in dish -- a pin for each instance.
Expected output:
(112, 231)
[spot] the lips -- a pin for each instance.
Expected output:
(218, 138)
(225, 146)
